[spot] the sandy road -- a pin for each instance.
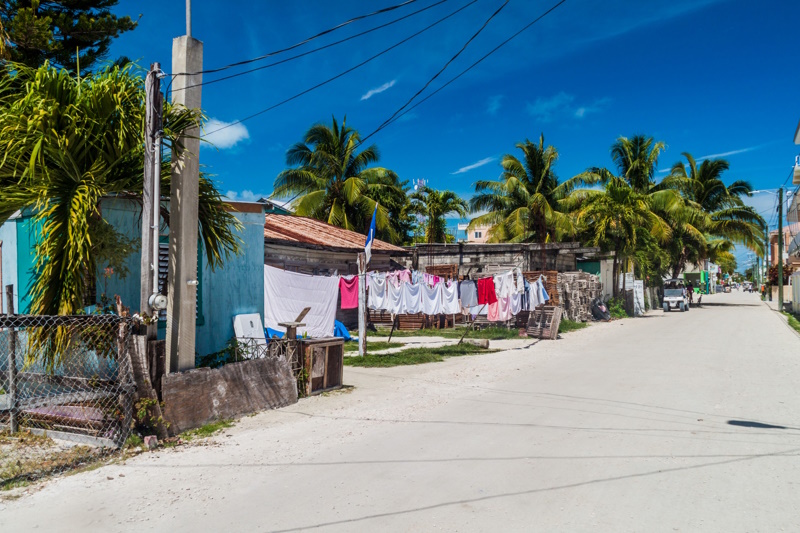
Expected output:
(673, 422)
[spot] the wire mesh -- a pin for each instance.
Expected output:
(67, 376)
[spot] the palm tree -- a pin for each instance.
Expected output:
(728, 218)
(522, 206)
(636, 160)
(68, 143)
(332, 181)
(435, 206)
(614, 217)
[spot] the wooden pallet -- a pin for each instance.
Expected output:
(443, 271)
(544, 322)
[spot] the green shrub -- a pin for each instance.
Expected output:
(616, 306)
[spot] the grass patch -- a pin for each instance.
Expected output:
(491, 333)
(372, 346)
(415, 356)
(793, 321)
(25, 458)
(208, 430)
(570, 325)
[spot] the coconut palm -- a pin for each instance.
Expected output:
(435, 206)
(332, 180)
(522, 206)
(614, 217)
(728, 218)
(67, 144)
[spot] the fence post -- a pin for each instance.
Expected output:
(12, 364)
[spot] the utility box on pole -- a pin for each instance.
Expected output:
(187, 62)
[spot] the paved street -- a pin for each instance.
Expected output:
(672, 422)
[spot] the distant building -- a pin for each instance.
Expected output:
(477, 234)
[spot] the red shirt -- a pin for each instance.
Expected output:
(486, 294)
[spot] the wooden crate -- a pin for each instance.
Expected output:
(323, 360)
(550, 285)
(544, 322)
(443, 271)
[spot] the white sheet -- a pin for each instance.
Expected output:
(450, 304)
(412, 297)
(394, 298)
(286, 294)
(431, 299)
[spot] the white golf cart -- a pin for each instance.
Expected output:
(675, 295)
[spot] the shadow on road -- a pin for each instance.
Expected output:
(759, 425)
(729, 304)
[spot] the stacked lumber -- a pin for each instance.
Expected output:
(576, 291)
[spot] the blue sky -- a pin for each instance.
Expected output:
(711, 77)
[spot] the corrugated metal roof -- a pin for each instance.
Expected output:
(311, 231)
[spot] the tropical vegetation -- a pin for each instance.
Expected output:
(523, 204)
(68, 35)
(69, 142)
(331, 178)
(434, 206)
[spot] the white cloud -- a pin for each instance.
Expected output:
(726, 154)
(494, 103)
(372, 92)
(546, 108)
(562, 105)
(722, 154)
(230, 136)
(596, 107)
(484, 161)
(245, 196)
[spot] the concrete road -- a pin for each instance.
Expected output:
(672, 422)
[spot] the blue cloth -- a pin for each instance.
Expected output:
(269, 332)
(340, 331)
(370, 236)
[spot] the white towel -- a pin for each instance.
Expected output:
(376, 282)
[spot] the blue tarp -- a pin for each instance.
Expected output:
(340, 331)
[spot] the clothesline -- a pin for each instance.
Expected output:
(500, 296)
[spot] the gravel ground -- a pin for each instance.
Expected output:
(672, 422)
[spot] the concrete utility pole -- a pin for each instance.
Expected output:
(187, 57)
(362, 304)
(767, 264)
(151, 197)
(780, 249)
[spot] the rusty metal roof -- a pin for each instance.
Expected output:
(306, 230)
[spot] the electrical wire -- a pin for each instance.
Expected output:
(315, 50)
(441, 70)
(473, 65)
(351, 69)
(301, 43)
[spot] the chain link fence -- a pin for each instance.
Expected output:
(67, 376)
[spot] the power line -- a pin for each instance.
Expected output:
(301, 43)
(351, 69)
(315, 50)
(449, 61)
(473, 65)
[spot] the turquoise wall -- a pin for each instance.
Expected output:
(27, 231)
(8, 234)
(590, 267)
(236, 288)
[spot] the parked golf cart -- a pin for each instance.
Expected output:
(675, 296)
